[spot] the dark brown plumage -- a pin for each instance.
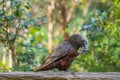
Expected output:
(64, 54)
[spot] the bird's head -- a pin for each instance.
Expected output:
(78, 41)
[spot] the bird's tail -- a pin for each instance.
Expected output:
(47, 67)
(39, 69)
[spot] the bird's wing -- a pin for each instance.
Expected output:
(58, 53)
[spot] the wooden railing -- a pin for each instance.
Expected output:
(60, 75)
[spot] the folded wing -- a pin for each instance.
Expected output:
(59, 52)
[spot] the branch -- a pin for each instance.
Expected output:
(3, 8)
(62, 12)
(85, 11)
(51, 24)
(71, 10)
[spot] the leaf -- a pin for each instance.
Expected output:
(10, 18)
(27, 5)
(38, 26)
(104, 14)
(27, 24)
(28, 15)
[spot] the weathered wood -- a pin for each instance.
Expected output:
(50, 75)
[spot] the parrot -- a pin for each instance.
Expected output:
(64, 54)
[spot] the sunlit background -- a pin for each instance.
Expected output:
(31, 29)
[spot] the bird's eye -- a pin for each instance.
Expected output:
(84, 42)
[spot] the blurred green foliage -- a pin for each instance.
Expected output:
(103, 32)
(15, 20)
(102, 27)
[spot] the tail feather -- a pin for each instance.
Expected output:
(48, 67)
(39, 69)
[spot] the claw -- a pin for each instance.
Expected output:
(73, 73)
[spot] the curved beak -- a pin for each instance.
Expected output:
(85, 46)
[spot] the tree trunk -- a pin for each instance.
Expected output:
(4, 57)
(85, 11)
(50, 25)
(62, 11)
(71, 10)
(12, 60)
(65, 17)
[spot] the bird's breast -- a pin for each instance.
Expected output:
(65, 62)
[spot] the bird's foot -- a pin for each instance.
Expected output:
(73, 73)
(55, 70)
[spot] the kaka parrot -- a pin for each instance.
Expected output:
(64, 53)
